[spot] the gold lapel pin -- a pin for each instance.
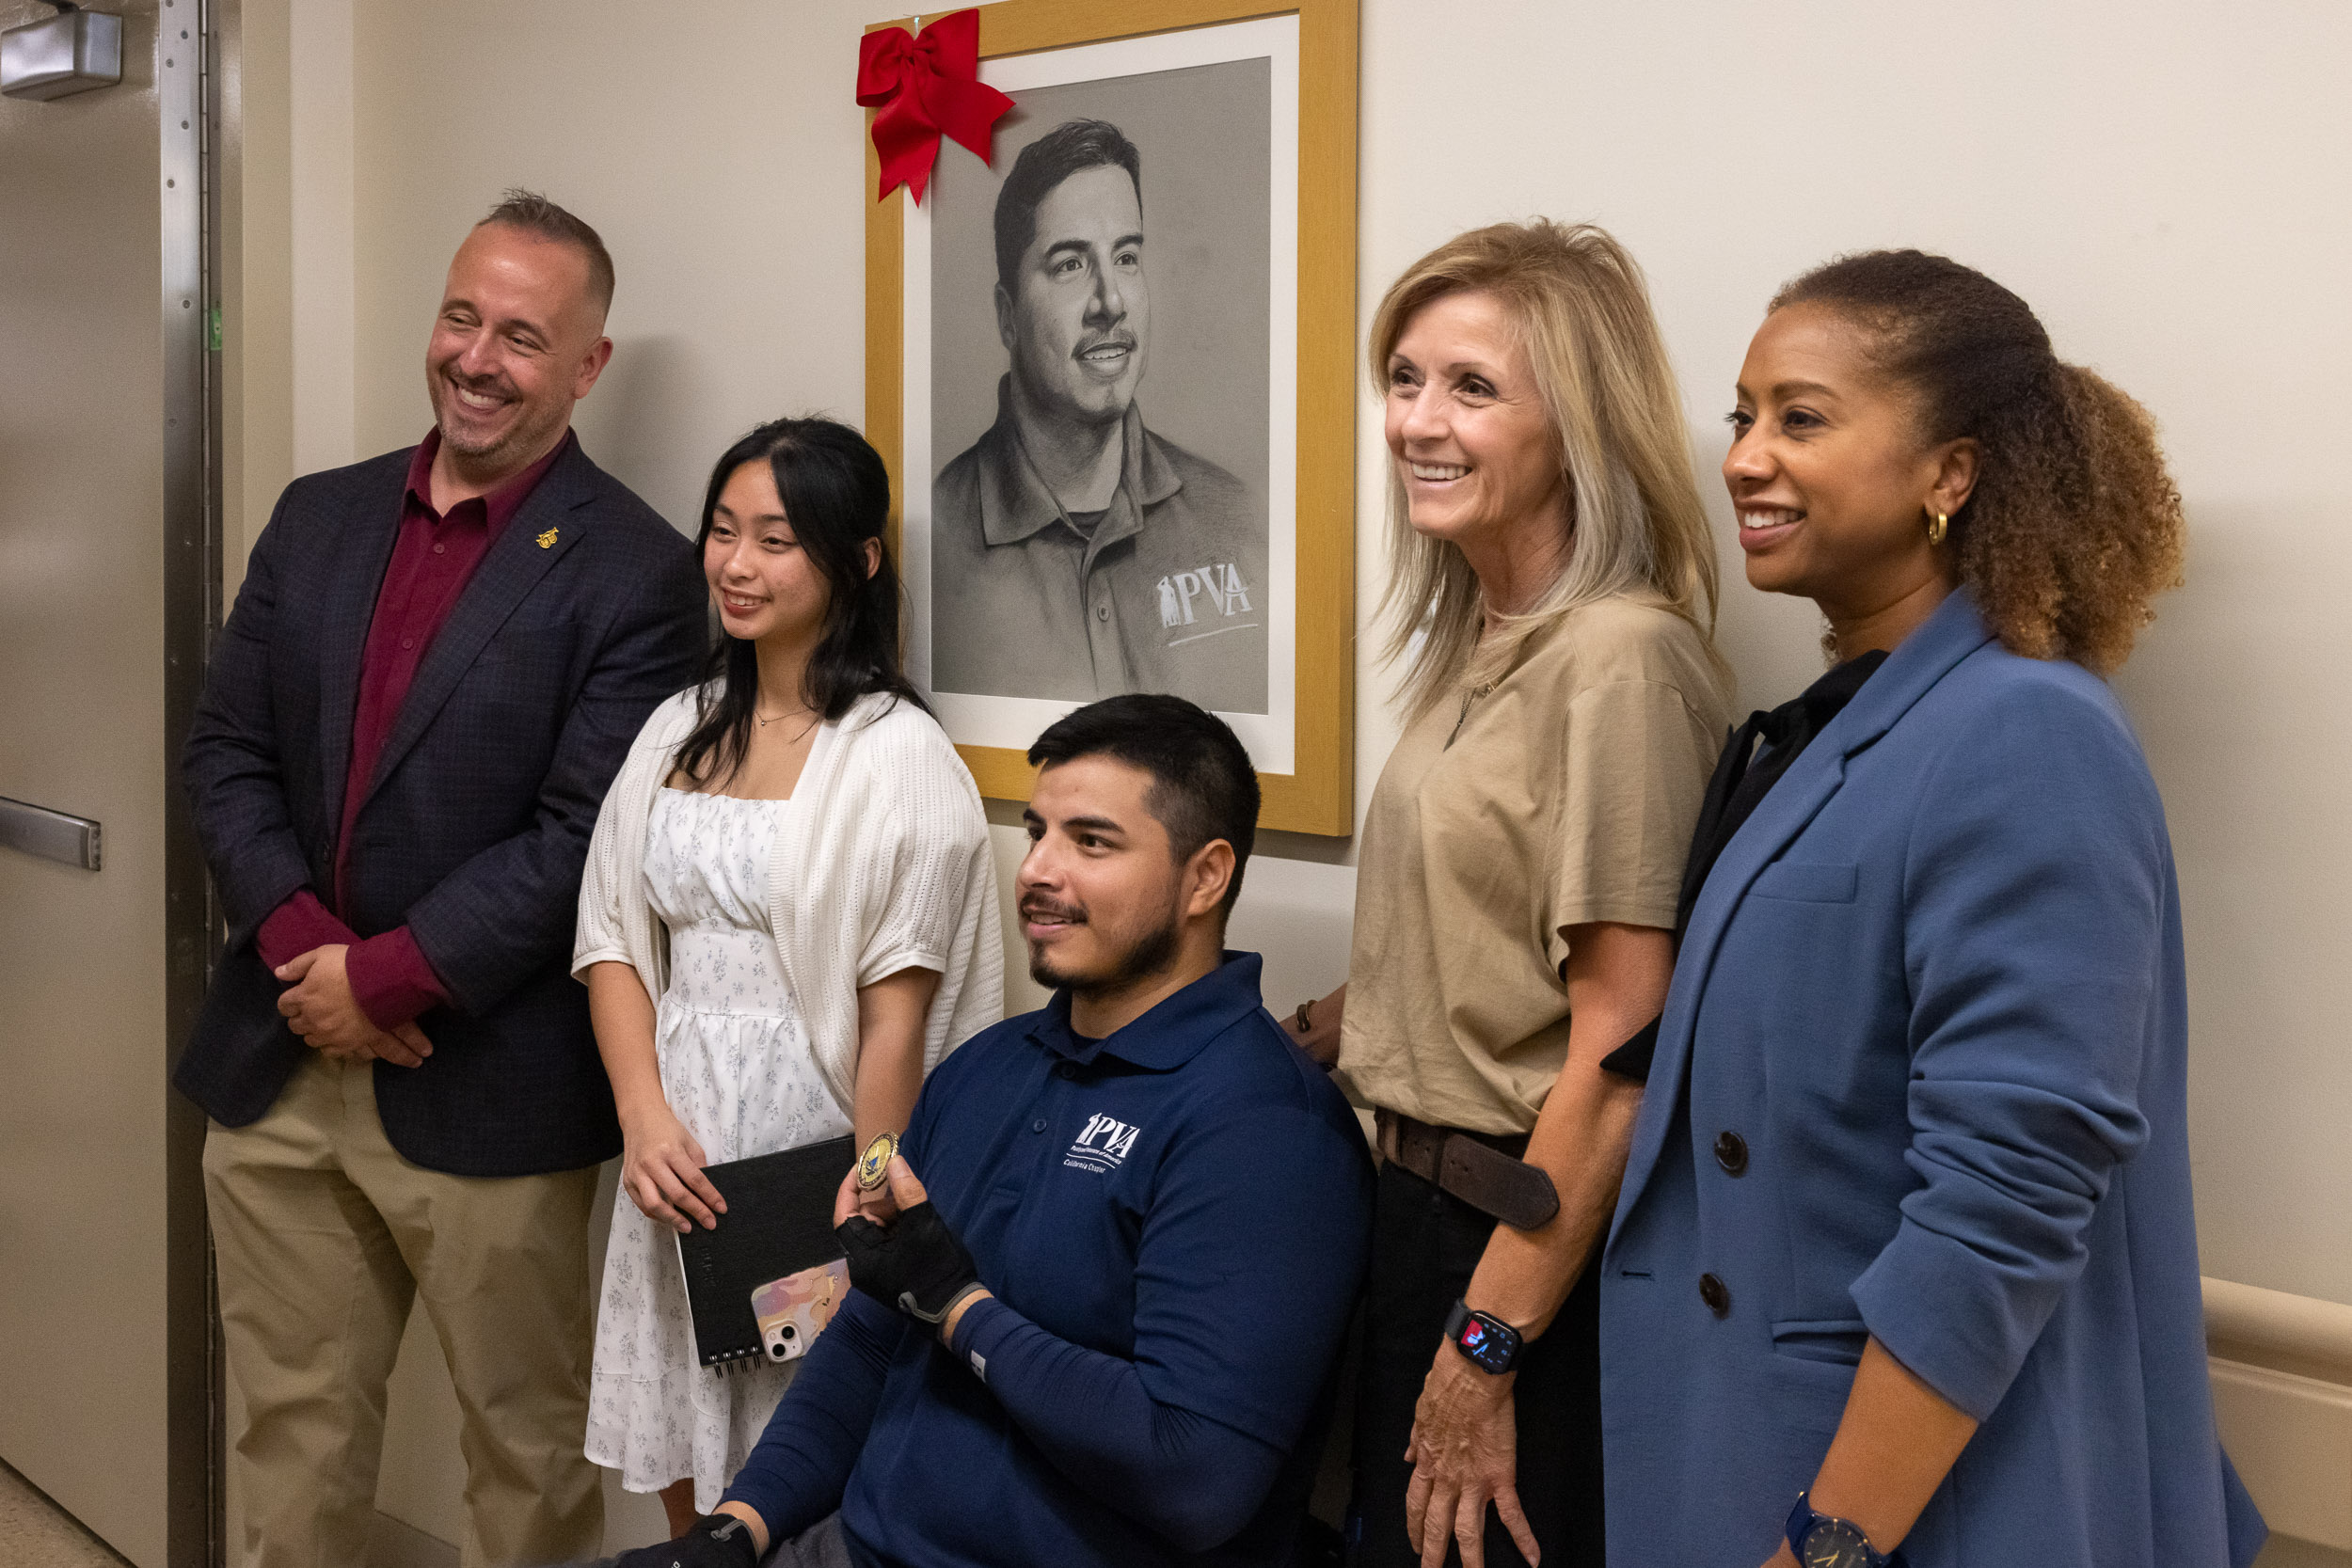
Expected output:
(546, 540)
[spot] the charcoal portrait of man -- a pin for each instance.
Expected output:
(1076, 552)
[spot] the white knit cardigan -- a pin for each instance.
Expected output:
(882, 865)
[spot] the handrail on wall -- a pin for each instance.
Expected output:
(2277, 1322)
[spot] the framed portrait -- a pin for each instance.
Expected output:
(1112, 372)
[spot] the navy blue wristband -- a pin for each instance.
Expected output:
(1823, 1541)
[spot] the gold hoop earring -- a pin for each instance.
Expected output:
(1935, 529)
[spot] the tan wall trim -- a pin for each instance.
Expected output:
(2276, 1324)
(2291, 1439)
(2281, 1366)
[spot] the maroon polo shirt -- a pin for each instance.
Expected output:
(434, 557)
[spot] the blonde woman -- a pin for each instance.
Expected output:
(1552, 591)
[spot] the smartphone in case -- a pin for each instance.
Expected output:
(795, 1310)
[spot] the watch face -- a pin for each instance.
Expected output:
(1834, 1544)
(1485, 1347)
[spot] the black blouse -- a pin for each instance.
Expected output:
(1744, 774)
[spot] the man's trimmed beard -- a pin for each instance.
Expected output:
(1148, 955)
(528, 434)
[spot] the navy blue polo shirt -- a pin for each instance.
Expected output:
(1190, 1195)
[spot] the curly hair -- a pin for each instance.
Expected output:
(2073, 524)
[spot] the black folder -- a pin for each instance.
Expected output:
(779, 1221)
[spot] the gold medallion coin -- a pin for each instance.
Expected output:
(873, 1166)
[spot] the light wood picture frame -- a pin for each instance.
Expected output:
(1303, 462)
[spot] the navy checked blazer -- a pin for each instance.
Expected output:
(475, 828)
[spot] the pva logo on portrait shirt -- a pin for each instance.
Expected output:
(1103, 1147)
(1201, 596)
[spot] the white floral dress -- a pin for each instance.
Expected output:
(737, 1071)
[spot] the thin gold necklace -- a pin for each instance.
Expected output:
(814, 720)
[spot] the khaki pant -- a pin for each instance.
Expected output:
(325, 1237)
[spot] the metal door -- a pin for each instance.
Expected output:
(107, 591)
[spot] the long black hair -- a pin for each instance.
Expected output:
(837, 496)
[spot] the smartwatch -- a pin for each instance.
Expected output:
(1491, 1345)
(1819, 1541)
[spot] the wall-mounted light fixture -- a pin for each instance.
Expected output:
(72, 52)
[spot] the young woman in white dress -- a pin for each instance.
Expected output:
(793, 861)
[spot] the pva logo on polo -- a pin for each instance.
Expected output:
(1185, 596)
(1103, 1146)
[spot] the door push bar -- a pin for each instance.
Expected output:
(51, 834)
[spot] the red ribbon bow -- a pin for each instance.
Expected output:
(924, 86)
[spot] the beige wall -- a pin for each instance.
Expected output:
(2163, 180)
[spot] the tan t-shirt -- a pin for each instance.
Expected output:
(1567, 795)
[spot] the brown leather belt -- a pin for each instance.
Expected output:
(1481, 1169)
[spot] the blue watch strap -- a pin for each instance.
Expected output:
(1803, 1520)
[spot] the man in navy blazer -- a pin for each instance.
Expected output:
(436, 662)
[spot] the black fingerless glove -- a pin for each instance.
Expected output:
(915, 1265)
(714, 1541)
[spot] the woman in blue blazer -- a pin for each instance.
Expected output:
(1907, 1223)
